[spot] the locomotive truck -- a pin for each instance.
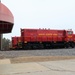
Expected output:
(44, 39)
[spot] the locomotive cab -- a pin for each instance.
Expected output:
(69, 38)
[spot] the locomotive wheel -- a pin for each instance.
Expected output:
(72, 45)
(67, 45)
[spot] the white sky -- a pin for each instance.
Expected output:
(53, 14)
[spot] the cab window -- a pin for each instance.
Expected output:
(70, 32)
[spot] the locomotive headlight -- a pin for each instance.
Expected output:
(25, 42)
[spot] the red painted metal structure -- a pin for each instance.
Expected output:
(45, 35)
(16, 42)
(6, 19)
(74, 37)
(44, 38)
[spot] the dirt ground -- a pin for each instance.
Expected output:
(40, 58)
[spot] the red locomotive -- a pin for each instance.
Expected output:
(46, 38)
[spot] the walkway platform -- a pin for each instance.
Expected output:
(62, 67)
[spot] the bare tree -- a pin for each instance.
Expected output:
(5, 44)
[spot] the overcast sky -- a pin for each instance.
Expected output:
(53, 14)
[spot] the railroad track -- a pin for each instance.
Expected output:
(45, 52)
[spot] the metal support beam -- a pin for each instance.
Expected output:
(1, 35)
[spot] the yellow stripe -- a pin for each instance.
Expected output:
(69, 36)
(55, 34)
(48, 34)
(41, 34)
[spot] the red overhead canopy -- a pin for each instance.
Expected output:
(6, 19)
